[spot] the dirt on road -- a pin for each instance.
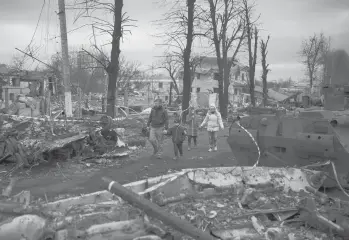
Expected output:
(65, 178)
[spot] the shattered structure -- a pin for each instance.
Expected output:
(27, 141)
(214, 203)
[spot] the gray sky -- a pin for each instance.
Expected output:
(286, 21)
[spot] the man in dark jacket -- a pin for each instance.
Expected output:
(158, 122)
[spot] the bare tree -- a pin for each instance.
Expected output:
(227, 26)
(265, 68)
(186, 56)
(181, 24)
(313, 52)
(252, 45)
(195, 61)
(17, 63)
(172, 65)
(326, 53)
(89, 9)
(128, 71)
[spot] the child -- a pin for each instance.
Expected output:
(193, 127)
(178, 133)
(214, 122)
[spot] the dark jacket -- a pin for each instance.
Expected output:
(178, 133)
(158, 118)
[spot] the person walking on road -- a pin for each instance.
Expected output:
(192, 132)
(178, 133)
(157, 123)
(214, 122)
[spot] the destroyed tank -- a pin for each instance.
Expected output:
(309, 136)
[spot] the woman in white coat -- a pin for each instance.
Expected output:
(214, 122)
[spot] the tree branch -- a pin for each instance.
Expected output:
(99, 61)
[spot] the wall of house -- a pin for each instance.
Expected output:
(204, 83)
(13, 92)
(238, 83)
(158, 88)
(238, 74)
(161, 86)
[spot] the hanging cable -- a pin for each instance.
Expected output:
(37, 25)
(48, 20)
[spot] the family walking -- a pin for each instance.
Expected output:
(158, 124)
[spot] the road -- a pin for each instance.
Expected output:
(145, 166)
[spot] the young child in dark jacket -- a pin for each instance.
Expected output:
(178, 133)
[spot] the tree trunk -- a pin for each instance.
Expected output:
(186, 56)
(265, 70)
(222, 105)
(126, 98)
(252, 87)
(311, 78)
(170, 97)
(218, 55)
(265, 88)
(220, 83)
(226, 82)
(174, 85)
(113, 67)
(252, 60)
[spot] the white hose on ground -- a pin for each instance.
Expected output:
(254, 141)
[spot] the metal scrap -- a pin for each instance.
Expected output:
(212, 206)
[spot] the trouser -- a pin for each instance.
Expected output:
(189, 140)
(212, 139)
(156, 138)
(178, 148)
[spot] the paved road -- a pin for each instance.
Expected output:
(146, 166)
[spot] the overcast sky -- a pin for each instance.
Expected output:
(286, 21)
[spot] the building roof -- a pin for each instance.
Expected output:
(153, 80)
(209, 65)
(272, 94)
(204, 60)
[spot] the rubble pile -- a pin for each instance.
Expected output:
(24, 106)
(254, 214)
(26, 141)
(134, 136)
(182, 206)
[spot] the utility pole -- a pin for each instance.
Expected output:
(152, 83)
(68, 110)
